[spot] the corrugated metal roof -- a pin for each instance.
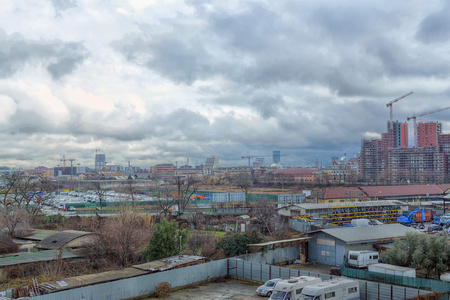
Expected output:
(368, 233)
(358, 204)
(401, 190)
(31, 257)
(280, 241)
(444, 187)
(58, 240)
(39, 234)
(72, 282)
(340, 192)
(169, 262)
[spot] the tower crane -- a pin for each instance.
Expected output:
(252, 156)
(392, 102)
(421, 115)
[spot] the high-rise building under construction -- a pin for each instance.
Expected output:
(389, 160)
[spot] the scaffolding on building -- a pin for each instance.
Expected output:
(385, 212)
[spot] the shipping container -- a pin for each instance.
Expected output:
(418, 216)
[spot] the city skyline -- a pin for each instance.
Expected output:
(157, 82)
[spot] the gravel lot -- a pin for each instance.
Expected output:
(230, 289)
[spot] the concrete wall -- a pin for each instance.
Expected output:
(142, 285)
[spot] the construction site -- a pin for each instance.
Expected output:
(390, 160)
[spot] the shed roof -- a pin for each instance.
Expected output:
(444, 187)
(401, 190)
(58, 240)
(72, 282)
(39, 234)
(281, 241)
(352, 235)
(340, 192)
(32, 257)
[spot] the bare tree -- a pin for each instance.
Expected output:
(100, 191)
(165, 200)
(119, 240)
(130, 189)
(16, 220)
(244, 181)
(20, 190)
(264, 212)
(186, 187)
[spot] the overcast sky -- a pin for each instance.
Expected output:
(159, 81)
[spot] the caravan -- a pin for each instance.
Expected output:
(291, 289)
(342, 289)
(362, 259)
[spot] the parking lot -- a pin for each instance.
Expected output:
(230, 289)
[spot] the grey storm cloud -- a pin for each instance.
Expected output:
(435, 27)
(267, 106)
(61, 58)
(174, 58)
(29, 122)
(156, 81)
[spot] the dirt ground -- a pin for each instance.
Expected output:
(235, 289)
(311, 267)
(230, 289)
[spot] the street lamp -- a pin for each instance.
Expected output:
(57, 177)
(105, 174)
(180, 243)
(78, 175)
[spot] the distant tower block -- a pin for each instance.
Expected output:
(100, 160)
(211, 164)
(276, 157)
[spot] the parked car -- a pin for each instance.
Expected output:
(434, 227)
(267, 288)
(72, 208)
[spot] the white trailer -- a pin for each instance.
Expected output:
(392, 270)
(341, 288)
(291, 289)
(362, 259)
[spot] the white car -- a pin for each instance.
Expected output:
(267, 288)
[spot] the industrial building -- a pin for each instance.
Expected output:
(407, 193)
(164, 171)
(385, 211)
(329, 246)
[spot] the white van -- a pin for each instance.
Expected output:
(342, 289)
(362, 259)
(291, 289)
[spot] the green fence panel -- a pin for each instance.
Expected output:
(419, 283)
